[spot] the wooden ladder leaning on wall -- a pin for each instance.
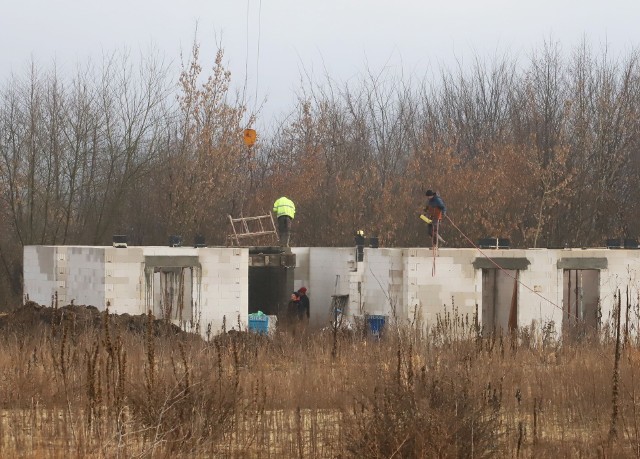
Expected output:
(249, 230)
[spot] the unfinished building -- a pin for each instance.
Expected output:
(210, 288)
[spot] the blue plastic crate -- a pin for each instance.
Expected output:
(259, 324)
(376, 324)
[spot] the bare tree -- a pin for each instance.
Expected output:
(205, 170)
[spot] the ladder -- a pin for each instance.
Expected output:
(247, 228)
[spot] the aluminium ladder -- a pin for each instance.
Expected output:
(247, 228)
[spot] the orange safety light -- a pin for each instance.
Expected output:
(249, 137)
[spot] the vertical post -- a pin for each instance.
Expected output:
(569, 297)
(613, 429)
(577, 297)
(495, 298)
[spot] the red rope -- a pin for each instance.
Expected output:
(515, 278)
(501, 268)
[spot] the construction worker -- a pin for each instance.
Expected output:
(304, 310)
(285, 211)
(292, 316)
(435, 210)
(359, 239)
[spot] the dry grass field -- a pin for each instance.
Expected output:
(75, 384)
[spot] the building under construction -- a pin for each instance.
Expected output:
(204, 289)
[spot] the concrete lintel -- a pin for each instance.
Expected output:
(171, 261)
(583, 263)
(286, 260)
(503, 262)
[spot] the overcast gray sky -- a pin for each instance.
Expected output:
(341, 37)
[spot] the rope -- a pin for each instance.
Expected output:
(501, 268)
(600, 352)
(507, 271)
(246, 58)
(255, 102)
(597, 350)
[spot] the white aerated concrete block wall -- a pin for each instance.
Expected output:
(329, 270)
(540, 291)
(357, 291)
(397, 283)
(39, 273)
(623, 272)
(409, 281)
(301, 273)
(225, 288)
(75, 274)
(324, 271)
(434, 288)
(100, 275)
(383, 279)
(124, 283)
(84, 275)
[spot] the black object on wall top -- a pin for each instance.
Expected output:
(494, 243)
(119, 241)
(175, 241)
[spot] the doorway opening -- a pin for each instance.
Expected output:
(173, 293)
(173, 288)
(581, 302)
(271, 279)
(499, 301)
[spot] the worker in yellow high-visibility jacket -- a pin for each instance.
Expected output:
(285, 211)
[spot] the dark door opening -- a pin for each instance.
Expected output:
(271, 279)
(581, 301)
(269, 289)
(499, 301)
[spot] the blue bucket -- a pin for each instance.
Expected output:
(376, 324)
(259, 323)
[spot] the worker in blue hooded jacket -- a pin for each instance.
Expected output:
(435, 210)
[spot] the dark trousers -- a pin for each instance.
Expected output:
(434, 232)
(284, 230)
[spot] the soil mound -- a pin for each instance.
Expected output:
(77, 318)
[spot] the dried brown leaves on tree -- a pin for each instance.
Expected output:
(543, 151)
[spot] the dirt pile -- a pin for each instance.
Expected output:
(79, 318)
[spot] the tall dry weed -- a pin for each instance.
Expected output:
(451, 393)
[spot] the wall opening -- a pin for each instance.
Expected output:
(499, 300)
(581, 302)
(269, 289)
(173, 293)
(271, 276)
(173, 285)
